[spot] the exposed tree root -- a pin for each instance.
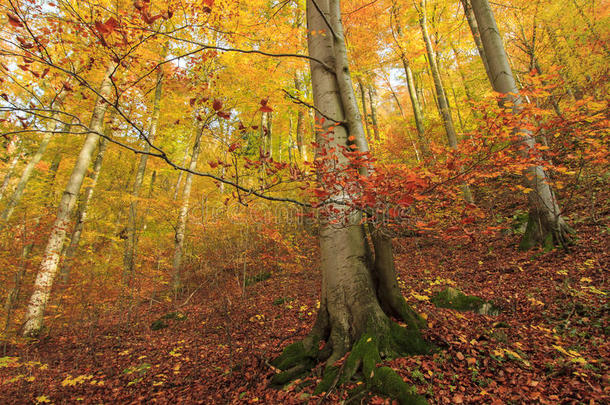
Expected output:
(382, 339)
(546, 233)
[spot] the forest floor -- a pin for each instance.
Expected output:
(549, 344)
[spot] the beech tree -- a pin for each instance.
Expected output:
(545, 225)
(359, 293)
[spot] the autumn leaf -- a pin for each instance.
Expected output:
(14, 20)
(217, 105)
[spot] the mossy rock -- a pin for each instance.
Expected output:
(257, 278)
(455, 299)
(281, 300)
(161, 323)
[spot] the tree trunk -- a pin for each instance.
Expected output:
(48, 266)
(364, 113)
(11, 170)
(373, 111)
(128, 255)
(415, 105)
(300, 131)
(81, 216)
(183, 215)
(181, 174)
(29, 168)
(545, 223)
(441, 95)
(351, 315)
(476, 35)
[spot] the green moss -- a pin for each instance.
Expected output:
(177, 316)
(295, 354)
(454, 299)
(293, 373)
(387, 382)
(158, 324)
(409, 341)
(329, 378)
(257, 278)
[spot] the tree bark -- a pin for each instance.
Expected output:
(545, 223)
(364, 113)
(81, 216)
(183, 215)
(29, 168)
(441, 95)
(476, 35)
(351, 312)
(373, 111)
(48, 267)
(128, 255)
(11, 170)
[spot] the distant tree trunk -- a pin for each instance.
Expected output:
(476, 35)
(11, 169)
(300, 131)
(418, 116)
(372, 95)
(441, 95)
(48, 266)
(364, 113)
(545, 223)
(83, 207)
(128, 255)
(183, 215)
(29, 168)
(402, 115)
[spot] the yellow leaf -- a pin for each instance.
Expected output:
(43, 399)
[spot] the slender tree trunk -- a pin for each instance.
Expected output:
(415, 105)
(300, 131)
(476, 35)
(183, 215)
(364, 113)
(441, 95)
(81, 216)
(128, 255)
(48, 266)
(180, 175)
(545, 223)
(373, 111)
(29, 170)
(11, 170)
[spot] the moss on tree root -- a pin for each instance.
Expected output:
(365, 356)
(384, 339)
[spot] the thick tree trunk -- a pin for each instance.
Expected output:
(351, 314)
(545, 223)
(183, 215)
(81, 216)
(48, 266)
(128, 255)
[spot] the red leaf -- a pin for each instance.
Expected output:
(264, 106)
(233, 147)
(14, 20)
(217, 105)
(213, 165)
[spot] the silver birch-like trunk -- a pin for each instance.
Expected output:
(128, 255)
(545, 223)
(183, 215)
(17, 194)
(180, 175)
(476, 35)
(11, 170)
(48, 267)
(441, 95)
(83, 207)
(415, 105)
(364, 113)
(373, 111)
